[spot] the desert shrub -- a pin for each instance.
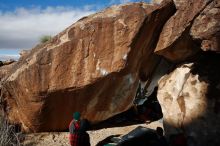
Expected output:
(45, 38)
(8, 136)
(1, 63)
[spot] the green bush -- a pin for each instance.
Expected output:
(45, 38)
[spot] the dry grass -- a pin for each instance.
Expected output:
(8, 136)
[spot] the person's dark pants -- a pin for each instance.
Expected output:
(79, 139)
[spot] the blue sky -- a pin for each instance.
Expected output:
(12, 4)
(23, 22)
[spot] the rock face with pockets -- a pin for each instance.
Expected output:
(91, 67)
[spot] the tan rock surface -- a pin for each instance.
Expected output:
(4, 70)
(91, 67)
(189, 97)
(175, 42)
(24, 53)
(206, 27)
(180, 93)
(157, 1)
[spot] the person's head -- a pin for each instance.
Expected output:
(76, 116)
(159, 131)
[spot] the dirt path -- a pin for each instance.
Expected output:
(61, 138)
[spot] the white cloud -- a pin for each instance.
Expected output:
(23, 27)
(4, 57)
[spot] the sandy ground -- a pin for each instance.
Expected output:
(61, 138)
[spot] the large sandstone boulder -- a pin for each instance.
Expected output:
(190, 100)
(91, 67)
(175, 42)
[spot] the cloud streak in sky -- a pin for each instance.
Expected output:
(23, 27)
(4, 57)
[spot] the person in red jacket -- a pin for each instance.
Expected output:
(78, 135)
